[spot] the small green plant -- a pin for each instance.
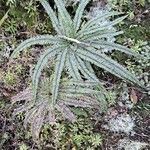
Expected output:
(30, 8)
(10, 2)
(126, 4)
(9, 78)
(79, 135)
(75, 46)
(11, 21)
(4, 18)
(141, 67)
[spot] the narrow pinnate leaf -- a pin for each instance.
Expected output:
(72, 67)
(80, 103)
(24, 95)
(81, 83)
(66, 112)
(85, 71)
(52, 16)
(101, 29)
(51, 117)
(29, 115)
(57, 75)
(22, 109)
(61, 23)
(62, 10)
(96, 20)
(66, 21)
(42, 39)
(40, 65)
(79, 13)
(98, 35)
(100, 44)
(38, 121)
(77, 90)
(107, 63)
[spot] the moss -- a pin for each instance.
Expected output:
(138, 32)
(9, 78)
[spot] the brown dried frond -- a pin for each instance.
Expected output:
(40, 111)
(65, 111)
(24, 95)
(81, 102)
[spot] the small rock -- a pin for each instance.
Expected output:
(122, 123)
(127, 144)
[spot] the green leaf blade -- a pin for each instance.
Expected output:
(52, 15)
(57, 75)
(88, 75)
(51, 52)
(96, 20)
(99, 44)
(43, 39)
(66, 21)
(72, 67)
(103, 61)
(79, 13)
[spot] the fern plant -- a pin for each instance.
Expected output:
(76, 46)
(71, 94)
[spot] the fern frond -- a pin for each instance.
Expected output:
(65, 111)
(76, 85)
(29, 115)
(79, 13)
(24, 95)
(40, 40)
(80, 83)
(66, 18)
(96, 21)
(78, 90)
(40, 65)
(100, 35)
(25, 107)
(100, 83)
(62, 10)
(72, 67)
(81, 103)
(61, 23)
(57, 75)
(103, 61)
(37, 121)
(41, 112)
(87, 74)
(99, 28)
(106, 44)
(88, 65)
(51, 118)
(76, 47)
(52, 16)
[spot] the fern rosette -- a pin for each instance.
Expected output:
(76, 46)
